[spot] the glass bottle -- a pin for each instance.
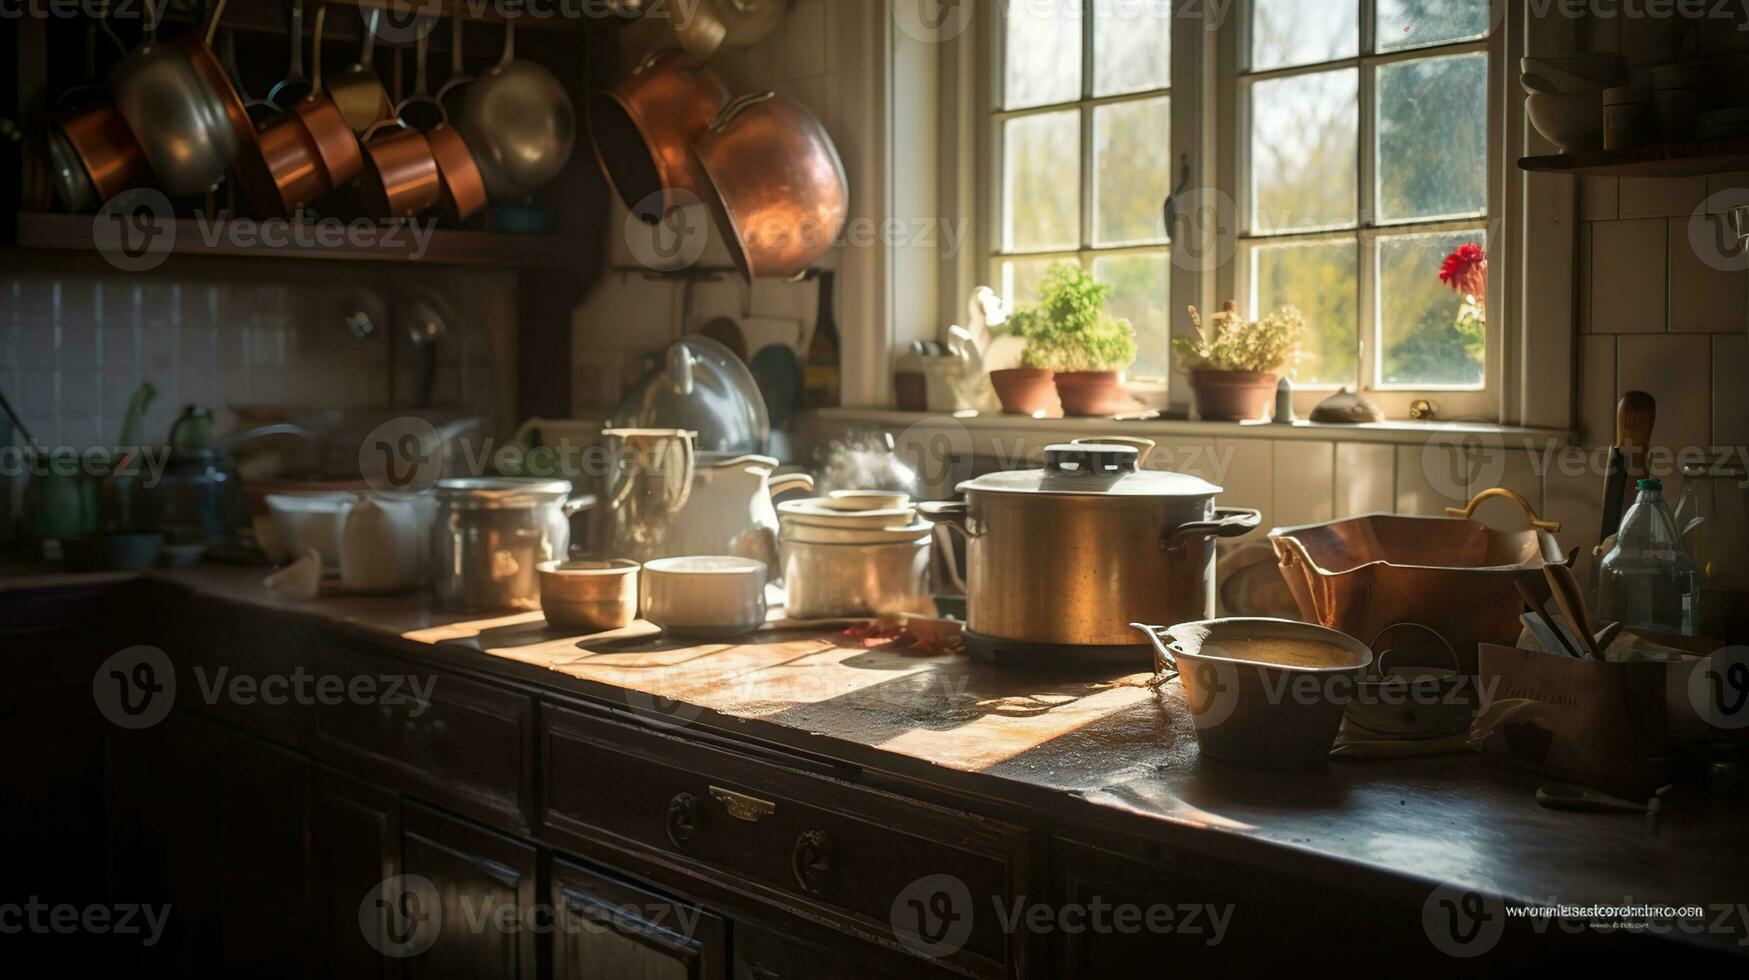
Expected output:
(1647, 579)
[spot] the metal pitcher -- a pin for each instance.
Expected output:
(649, 481)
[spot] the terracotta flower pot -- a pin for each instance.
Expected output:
(1091, 392)
(1026, 391)
(1232, 396)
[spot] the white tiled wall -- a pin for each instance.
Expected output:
(631, 316)
(75, 345)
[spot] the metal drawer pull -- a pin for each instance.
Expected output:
(683, 818)
(741, 806)
(811, 861)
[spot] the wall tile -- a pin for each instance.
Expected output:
(1660, 197)
(1676, 371)
(1249, 480)
(1515, 469)
(1731, 391)
(1431, 478)
(1709, 289)
(1597, 198)
(1305, 483)
(1573, 495)
(1366, 479)
(1628, 283)
(805, 37)
(1586, 274)
(1597, 390)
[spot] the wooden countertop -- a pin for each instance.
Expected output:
(1111, 752)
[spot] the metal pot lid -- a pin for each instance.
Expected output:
(501, 492)
(1093, 469)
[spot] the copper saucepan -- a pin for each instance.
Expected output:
(775, 184)
(644, 127)
(306, 153)
(462, 188)
(358, 91)
(91, 152)
(400, 172)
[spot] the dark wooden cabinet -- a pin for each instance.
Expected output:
(608, 929)
(761, 954)
(484, 888)
(355, 845)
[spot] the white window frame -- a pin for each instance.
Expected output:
(1526, 217)
(1451, 400)
(996, 114)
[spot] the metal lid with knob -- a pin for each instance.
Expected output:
(1093, 469)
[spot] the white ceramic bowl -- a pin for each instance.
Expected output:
(708, 595)
(854, 500)
(304, 521)
(1573, 123)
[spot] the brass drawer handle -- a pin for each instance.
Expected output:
(741, 806)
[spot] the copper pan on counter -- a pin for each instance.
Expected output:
(1455, 576)
(776, 184)
(644, 126)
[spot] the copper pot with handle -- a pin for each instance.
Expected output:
(776, 185)
(1061, 560)
(644, 126)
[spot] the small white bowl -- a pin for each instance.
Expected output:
(855, 500)
(717, 596)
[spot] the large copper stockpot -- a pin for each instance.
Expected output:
(776, 185)
(1061, 560)
(644, 127)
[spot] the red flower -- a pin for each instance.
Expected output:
(1466, 270)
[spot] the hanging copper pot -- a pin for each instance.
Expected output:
(644, 127)
(306, 153)
(400, 175)
(774, 183)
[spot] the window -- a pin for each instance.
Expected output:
(1361, 162)
(1082, 117)
(1364, 169)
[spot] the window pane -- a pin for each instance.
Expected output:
(1043, 56)
(1042, 181)
(1430, 333)
(1414, 23)
(1139, 295)
(1021, 279)
(1134, 171)
(1433, 137)
(1132, 46)
(1303, 32)
(1320, 279)
(1303, 147)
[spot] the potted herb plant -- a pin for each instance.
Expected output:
(1071, 344)
(1234, 361)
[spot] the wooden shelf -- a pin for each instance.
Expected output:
(1667, 160)
(73, 233)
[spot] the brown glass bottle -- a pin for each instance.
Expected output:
(823, 371)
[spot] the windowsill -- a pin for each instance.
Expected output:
(1406, 433)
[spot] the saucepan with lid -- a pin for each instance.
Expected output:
(1062, 559)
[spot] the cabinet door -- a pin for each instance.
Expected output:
(355, 845)
(607, 929)
(478, 886)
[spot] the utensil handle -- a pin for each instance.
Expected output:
(297, 39)
(952, 514)
(1164, 660)
(316, 51)
(1529, 512)
(1229, 522)
(791, 481)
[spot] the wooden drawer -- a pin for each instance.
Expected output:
(764, 955)
(469, 748)
(843, 854)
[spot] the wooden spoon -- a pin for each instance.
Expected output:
(1570, 599)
